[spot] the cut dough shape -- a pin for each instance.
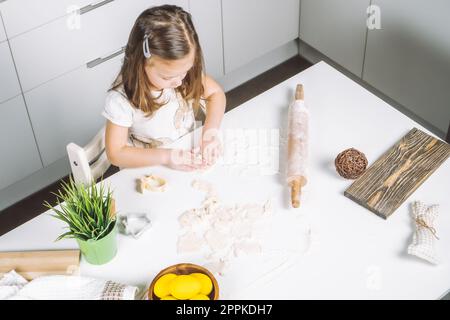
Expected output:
(152, 183)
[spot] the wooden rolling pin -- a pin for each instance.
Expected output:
(33, 264)
(298, 118)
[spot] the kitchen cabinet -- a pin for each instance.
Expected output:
(252, 28)
(59, 49)
(9, 85)
(207, 17)
(408, 59)
(336, 28)
(24, 15)
(20, 156)
(2, 30)
(68, 109)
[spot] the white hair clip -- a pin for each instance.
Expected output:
(146, 47)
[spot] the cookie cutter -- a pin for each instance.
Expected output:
(134, 224)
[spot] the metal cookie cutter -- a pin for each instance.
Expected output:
(134, 224)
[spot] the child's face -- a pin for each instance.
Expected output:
(165, 74)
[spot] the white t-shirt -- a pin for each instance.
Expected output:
(170, 122)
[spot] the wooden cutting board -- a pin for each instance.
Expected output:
(33, 264)
(389, 181)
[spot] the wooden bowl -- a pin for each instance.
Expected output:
(185, 268)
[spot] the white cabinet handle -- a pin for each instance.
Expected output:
(91, 7)
(96, 62)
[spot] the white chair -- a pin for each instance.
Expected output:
(89, 163)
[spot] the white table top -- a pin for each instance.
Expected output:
(354, 253)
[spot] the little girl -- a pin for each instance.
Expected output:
(159, 90)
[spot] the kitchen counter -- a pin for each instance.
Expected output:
(350, 252)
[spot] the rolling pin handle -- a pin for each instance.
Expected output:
(299, 94)
(295, 193)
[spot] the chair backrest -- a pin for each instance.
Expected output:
(90, 162)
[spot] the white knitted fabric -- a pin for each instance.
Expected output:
(10, 284)
(66, 288)
(424, 244)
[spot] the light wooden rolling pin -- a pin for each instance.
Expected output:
(298, 118)
(33, 264)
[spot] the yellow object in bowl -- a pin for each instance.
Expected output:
(162, 285)
(185, 287)
(205, 281)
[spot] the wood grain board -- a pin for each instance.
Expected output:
(389, 181)
(33, 264)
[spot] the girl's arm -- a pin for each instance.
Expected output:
(124, 156)
(215, 103)
(215, 109)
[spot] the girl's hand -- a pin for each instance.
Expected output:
(184, 160)
(211, 147)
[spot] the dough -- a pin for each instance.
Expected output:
(223, 231)
(151, 183)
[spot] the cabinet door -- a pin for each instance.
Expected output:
(9, 85)
(68, 109)
(57, 49)
(19, 156)
(408, 59)
(252, 28)
(336, 28)
(2, 30)
(23, 15)
(207, 18)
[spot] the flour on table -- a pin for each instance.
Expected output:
(204, 186)
(189, 242)
(216, 267)
(223, 232)
(247, 244)
(247, 247)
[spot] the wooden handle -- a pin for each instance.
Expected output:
(34, 264)
(296, 190)
(299, 94)
(295, 193)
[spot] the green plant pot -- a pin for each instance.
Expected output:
(100, 251)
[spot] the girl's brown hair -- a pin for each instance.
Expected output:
(171, 36)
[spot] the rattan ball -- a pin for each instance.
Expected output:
(351, 163)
